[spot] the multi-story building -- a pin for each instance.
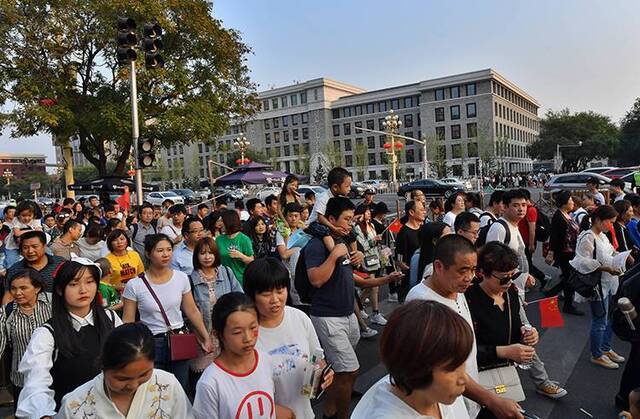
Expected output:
(18, 166)
(467, 119)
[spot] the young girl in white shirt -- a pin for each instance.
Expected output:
(239, 382)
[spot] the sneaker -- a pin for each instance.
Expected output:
(378, 319)
(392, 298)
(614, 356)
(552, 390)
(368, 333)
(605, 362)
(364, 315)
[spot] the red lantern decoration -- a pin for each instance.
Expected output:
(245, 161)
(399, 146)
(387, 145)
(47, 102)
(131, 172)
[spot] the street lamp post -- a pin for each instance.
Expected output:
(391, 125)
(8, 174)
(559, 156)
(243, 145)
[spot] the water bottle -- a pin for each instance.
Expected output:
(313, 374)
(527, 365)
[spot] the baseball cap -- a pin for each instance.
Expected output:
(369, 191)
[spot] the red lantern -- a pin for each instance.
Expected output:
(399, 146)
(387, 145)
(47, 102)
(245, 161)
(131, 172)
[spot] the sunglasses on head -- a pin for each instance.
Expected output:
(506, 279)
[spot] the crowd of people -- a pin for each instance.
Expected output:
(114, 310)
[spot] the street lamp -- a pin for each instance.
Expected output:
(391, 125)
(559, 156)
(243, 145)
(8, 174)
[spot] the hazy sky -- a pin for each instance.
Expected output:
(579, 54)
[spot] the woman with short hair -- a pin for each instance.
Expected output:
(236, 249)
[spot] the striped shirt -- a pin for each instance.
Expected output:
(17, 329)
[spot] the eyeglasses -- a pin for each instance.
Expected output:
(506, 279)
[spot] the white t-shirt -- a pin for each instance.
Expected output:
(485, 219)
(449, 219)
(224, 394)
(320, 206)
(497, 233)
(598, 198)
(170, 295)
(380, 403)
(290, 345)
(11, 241)
(460, 306)
(171, 231)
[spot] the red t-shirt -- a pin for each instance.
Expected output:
(523, 225)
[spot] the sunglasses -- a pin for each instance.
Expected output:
(506, 279)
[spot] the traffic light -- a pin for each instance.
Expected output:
(152, 44)
(146, 153)
(127, 40)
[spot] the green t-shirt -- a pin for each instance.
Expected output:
(243, 244)
(110, 296)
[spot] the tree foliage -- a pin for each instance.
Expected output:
(598, 134)
(65, 51)
(629, 149)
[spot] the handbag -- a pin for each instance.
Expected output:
(503, 380)
(182, 345)
(586, 285)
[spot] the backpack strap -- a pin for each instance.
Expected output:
(507, 231)
(54, 354)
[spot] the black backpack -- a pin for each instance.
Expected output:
(484, 231)
(543, 227)
(301, 279)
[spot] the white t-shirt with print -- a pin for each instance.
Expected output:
(290, 346)
(221, 393)
(170, 295)
(320, 206)
(380, 403)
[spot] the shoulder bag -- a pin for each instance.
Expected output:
(503, 380)
(182, 345)
(587, 285)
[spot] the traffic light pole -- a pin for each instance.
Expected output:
(135, 134)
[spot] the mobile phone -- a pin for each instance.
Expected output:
(319, 391)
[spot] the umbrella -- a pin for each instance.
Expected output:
(252, 173)
(109, 184)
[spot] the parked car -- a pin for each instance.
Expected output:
(574, 181)
(629, 182)
(598, 170)
(188, 195)
(229, 194)
(619, 172)
(266, 191)
(357, 190)
(45, 200)
(431, 187)
(203, 194)
(303, 189)
(378, 185)
(464, 184)
(157, 198)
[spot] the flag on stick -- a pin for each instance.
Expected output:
(550, 315)
(395, 226)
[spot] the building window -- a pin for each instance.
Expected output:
(359, 142)
(472, 130)
(287, 150)
(295, 134)
(439, 114)
(285, 121)
(347, 129)
(348, 161)
(283, 100)
(372, 159)
(295, 119)
(358, 124)
(370, 124)
(395, 103)
(455, 132)
(347, 144)
(372, 174)
(267, 151)
(471, 89)
(278, 153)
(200, 148)
(439, 94)
(276, 122)
(267, 124)
(336, 130)
(408, 121)
(456, 151)
(274, 103)
(381, 124)
(382, 106)
(315, 94)
(305, 133)
(294, 100)
(440, 133)
(335, 113)
(472, 150)
(305, 117)
(410, 156)
(347, 111)
(471, 110)
(408, 102)
(265, 105)
(303, 98)
(383, 157)
(455, 91)
(276, 137)
(455, 111)
(358, 110)
(382, 140)
(371, 142)
(285, 136)
(336, 145)
(370, 108)
(305, 148)
(296, 149)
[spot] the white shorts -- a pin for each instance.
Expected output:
(339, 337)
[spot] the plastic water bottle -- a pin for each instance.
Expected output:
(527, 365)
(313, 374)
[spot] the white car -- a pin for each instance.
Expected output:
(376, 184)
(269, 190)
(157, 198)
(466, 185)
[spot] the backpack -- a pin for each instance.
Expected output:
(135, 229)
(543, 227)
(301, 279)
(484, 231)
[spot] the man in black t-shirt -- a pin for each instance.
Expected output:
(408, 242)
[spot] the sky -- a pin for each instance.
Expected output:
(580, 54)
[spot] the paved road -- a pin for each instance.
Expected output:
(565, 352)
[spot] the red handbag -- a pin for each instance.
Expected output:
(182, 345)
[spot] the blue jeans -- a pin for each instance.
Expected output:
(600, 327)
(163, 361)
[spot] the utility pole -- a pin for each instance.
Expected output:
(67, 157)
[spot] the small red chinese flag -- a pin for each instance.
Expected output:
(395, 226)
(550, 315)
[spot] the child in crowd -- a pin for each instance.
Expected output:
(24, 221)
(49, 222)
(110, 297)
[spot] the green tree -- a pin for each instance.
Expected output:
(360, 159)
(333, 154)
(436, 156)
(598, 134)
(629, 148)
(64, 52)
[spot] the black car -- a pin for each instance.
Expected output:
(188, 195)
(430, 187)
